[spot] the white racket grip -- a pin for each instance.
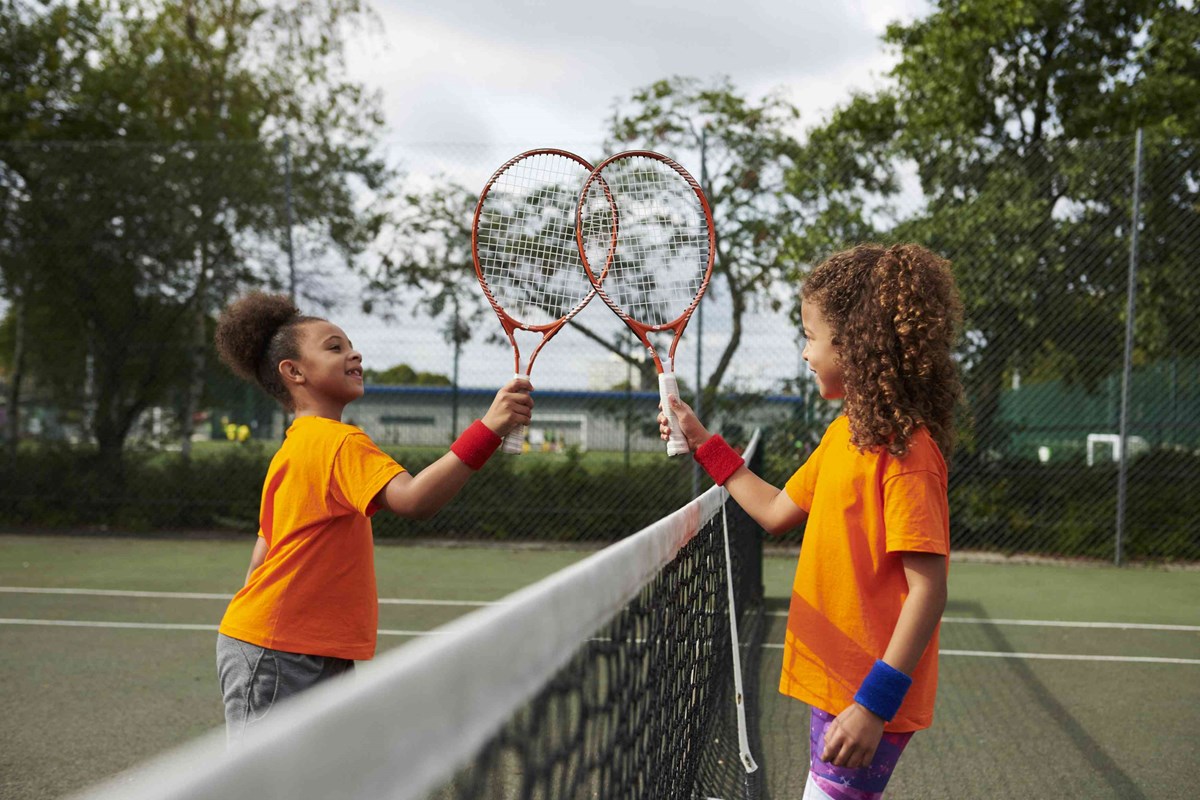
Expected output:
(669, 387)
(514, 442)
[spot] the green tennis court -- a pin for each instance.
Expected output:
(1056, 681)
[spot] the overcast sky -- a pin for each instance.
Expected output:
(521, 71)
(517, 74)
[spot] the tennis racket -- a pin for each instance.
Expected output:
(524, 246)
(653, 267)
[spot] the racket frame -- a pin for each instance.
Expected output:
(668, 385)
(514, 441)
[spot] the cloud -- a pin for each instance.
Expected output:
(496, 78)
(537, 72)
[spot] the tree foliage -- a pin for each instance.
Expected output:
(1017, 119)
(404, 375)
(144, 176)
(742, 147)
(427, 263)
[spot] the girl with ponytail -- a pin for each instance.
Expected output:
(308, 609)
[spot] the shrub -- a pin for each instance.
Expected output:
(1006, 506)
(558, 500)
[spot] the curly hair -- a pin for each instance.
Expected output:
(255, 333)
(895, 314)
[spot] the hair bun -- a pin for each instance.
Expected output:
(246, 326)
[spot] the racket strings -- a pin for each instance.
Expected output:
(525, 239)
(662, 250)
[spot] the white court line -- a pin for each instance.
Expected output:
(1053, 623)
(395, 601)
(1068, 657)
(163, 626)
(400, 601)
(1040, 623)
(1051, 656)
(114, 593)
(81, 623)
(158, 626)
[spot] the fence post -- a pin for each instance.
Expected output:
(291, 256)
(631, 349)
(457, 339)
(287, 184)
(16, 373)
(699, 399)
(1127, 372)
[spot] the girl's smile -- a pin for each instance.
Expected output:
(820, 353)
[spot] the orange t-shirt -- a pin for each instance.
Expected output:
(864, 509)
(315, 592)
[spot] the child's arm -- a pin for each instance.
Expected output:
(853, 737)
(922, 610)
(257, 557)
(771, 508)
(423, 495)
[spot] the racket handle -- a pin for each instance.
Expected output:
(514, 442)
(668, 387)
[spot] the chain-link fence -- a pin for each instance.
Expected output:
(115, 258)
(1075, 264)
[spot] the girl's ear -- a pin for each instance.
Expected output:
(289, 370)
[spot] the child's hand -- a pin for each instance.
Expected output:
(852, 738)
(511, 408)
(693, 431)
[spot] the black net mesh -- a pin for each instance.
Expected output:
(646, 707)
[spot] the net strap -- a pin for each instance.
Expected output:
(735, 642)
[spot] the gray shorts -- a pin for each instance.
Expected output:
(253, 679)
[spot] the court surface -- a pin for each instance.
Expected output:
(1069, 682)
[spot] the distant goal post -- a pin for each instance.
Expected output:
(553, 432)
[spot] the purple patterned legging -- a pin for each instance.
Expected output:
(839, 783)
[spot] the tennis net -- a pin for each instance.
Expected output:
(617, 678)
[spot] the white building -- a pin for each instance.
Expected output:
(589, 420)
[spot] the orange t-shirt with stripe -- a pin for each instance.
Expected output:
(864, 510)
(315, 592)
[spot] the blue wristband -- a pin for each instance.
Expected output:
(883, 690)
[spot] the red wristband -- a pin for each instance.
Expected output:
(718, 459)
(476, 445)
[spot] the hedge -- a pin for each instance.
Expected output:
(1002, 506)
(66, 488)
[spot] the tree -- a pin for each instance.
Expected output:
(427, 256)
(404, 375)
(742, 147)
(36, 70)
(148, 186)
(1017, 117)
(426, 260)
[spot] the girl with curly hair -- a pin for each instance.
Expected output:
(861, 646)
(309, 609)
